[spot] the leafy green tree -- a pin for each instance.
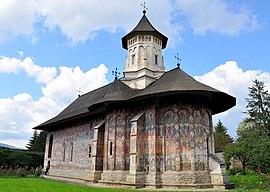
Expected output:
(251, 148)
(258, 107)
(221, 137)
(252, 145)
(237, 151)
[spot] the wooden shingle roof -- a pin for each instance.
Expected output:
(144, 27)
(115, 91)
(175, 81)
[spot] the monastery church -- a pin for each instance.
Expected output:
(150, 128)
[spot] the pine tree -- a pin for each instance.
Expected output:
(32, 142)
(37, 141)
(258, 107)
(221, 137)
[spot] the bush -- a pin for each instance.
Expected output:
(237, 171)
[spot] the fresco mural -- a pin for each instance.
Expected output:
(183, 133)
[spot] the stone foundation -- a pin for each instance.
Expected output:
(114, 177)
(90, 176)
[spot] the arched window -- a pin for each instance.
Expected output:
(89, 151)
(50, 146)
(64, 151)
(111, 148)
(71, 151)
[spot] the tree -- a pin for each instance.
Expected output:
(258, 107)
(221, 137)
(37, 141)
(32, 142)
(237, 151)
(252, 145)
(251, 148)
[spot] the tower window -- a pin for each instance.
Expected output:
(133, 59)
(156, 59)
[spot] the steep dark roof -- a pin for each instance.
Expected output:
(144, 27)
(115, 91)
(177, 81)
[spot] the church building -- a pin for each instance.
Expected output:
(150, 128)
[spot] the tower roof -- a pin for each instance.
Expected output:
(144, 27)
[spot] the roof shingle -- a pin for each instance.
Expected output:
(144, 27)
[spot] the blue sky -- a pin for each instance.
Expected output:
(50, 49)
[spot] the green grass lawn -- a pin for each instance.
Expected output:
(20, 184)
(31, 184)
(256, 182)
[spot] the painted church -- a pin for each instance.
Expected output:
(150, 128)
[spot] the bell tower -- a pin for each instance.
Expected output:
(144, 62)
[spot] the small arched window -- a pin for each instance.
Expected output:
(50, 146)
(90, 151)
(64, 151)
(111, 148)
(71, 151)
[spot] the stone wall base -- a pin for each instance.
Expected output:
(114, 177)
(168, 179)
(90, 176)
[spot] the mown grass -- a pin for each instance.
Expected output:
(258, 182)
(32, 184)
(20, 184)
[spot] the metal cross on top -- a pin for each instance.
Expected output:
(178, 60)
(79, 91)
(115, 74)
(144, 7)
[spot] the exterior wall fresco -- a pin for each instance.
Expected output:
(70, 148)
(168, 139)
(183, 135)
(118, 129)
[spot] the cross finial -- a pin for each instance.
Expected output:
(178, 59)
(79, 91)
(144, 7)
(115, 74)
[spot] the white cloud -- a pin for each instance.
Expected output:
(82, 19)
(19, 143)
(18, 115)
(14, 65)
(217, 16)
(64, 87)
(17, 17)
(230, 78)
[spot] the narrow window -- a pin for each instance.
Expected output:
(71, 152)
(64, 152)
(133, 59)
(50, 146)
(90, 151)
(156, 59)
(111, 147)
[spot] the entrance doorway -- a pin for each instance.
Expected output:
(100, 148)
